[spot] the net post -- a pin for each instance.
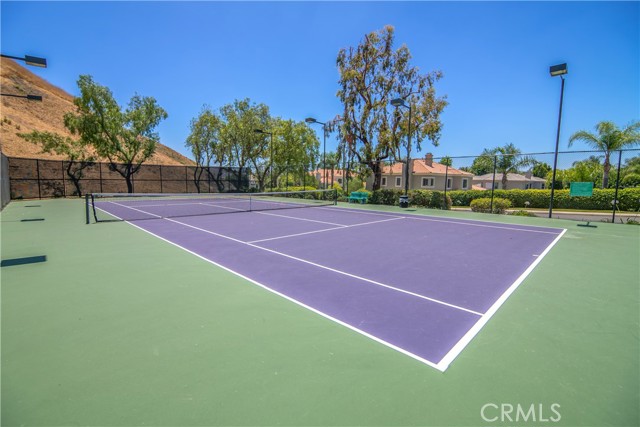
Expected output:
(335, 196)
(86, 208)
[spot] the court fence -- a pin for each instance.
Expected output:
(521, 183)
(39, 179)
(5, 190)
(524, 184)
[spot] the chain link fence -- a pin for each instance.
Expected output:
(38, 179)
(5, 190)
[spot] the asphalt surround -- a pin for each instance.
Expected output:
(121, 328)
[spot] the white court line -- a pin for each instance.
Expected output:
(328, 268)
(469, 222)
(139, 210)
(224, 207)
(301, 304)
(299, 219)
(482, 225)
(466, 339)
(446, 360)
(321, 231)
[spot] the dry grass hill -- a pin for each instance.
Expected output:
(19, 115)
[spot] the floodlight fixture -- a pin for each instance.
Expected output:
(558, 70)
(29, 97)
(29, 60)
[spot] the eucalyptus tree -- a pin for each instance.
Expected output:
(609, 138)
(127, 138)
(371, 75)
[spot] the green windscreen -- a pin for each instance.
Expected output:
(581, 189)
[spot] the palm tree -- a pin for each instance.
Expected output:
(608, 139)
(509, 160)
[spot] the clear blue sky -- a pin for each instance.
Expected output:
(495, 57)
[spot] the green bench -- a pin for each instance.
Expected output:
(360, 196)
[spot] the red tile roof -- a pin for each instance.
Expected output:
(420, 167)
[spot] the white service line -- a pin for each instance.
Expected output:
(139, 210)
(342, 227)
(299, 219)
(328, 268)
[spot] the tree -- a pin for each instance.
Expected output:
(76, 152)
(509, 160)
(126, 138)
(242, 145)
(482, 164)
(371, 75)
(296, 148)
(540, 169)
(446, 161)
(609, 138)
(205, 144)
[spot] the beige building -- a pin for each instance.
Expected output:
(514, 181)
(425, 175)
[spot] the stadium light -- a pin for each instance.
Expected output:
(557, 70)
(324, 147)
(29, 60)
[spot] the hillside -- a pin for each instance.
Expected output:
(20, 115)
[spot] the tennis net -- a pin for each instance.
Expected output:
(104, 207)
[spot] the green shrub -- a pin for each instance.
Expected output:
(521, 212)
(385, 197)
(628, 198)
(500, 205)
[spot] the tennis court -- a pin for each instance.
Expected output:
(106, 324)
(423, 286)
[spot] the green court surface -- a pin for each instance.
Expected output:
(119, 328)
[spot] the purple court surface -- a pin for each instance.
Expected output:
(421, 285)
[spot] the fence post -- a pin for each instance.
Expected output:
(38, 174)
(161, 190)
(64, 187)
(100, 170)
(446, 179)
(615, 198)
(493, 183)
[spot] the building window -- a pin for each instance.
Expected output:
(384, 181)
(448, 183)
(465, 183)
(398, 181)
(428, 181)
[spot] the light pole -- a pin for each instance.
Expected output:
(399, 102)
(271, 155)
(324, 147)
(557, 70)
(29, 60)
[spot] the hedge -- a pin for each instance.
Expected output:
(628, 198)
(420, 198)
(484, 204)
